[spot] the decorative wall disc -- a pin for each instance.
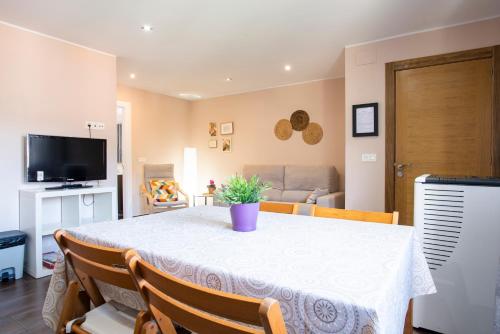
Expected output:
(299, 120)
(283, 129)
(312, 134)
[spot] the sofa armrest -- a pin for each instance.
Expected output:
(333, 200)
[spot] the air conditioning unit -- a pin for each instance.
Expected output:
(458, 222)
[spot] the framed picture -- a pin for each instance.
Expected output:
(226, 128)
(227, 144)
(365, 120)
(212, 143)
(212, 129)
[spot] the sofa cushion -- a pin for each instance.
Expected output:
(266, 173)
(311, 177)
(156, 172)
(273, 195)
(311, 199)
(295, 196)
(163, 190)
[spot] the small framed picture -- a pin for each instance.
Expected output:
(226, 128)
(212, 143)
(227, 144)
(212, 129)
(365, 120)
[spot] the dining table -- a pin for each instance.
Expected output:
(329, 275)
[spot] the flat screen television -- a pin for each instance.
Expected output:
(65, 159)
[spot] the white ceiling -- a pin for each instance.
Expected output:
(196, 44)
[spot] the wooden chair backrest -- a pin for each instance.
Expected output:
(279, 207)
(201, 309)
(365, 216)
(91, 262)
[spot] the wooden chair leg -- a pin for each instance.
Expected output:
(150, 327)
(142, 318)
(408, 329)
(76, 303)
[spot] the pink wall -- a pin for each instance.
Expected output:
(160, 131)
(49, 87)
(255, 114)
(365, 82)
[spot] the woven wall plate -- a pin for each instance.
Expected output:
(312, 134)
(299, 120)
(283, 129)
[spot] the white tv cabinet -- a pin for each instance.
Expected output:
(44, 211)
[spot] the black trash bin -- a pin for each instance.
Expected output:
(11, 254)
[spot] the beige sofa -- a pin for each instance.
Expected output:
(296, 183)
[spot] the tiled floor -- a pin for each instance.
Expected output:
(21, 307)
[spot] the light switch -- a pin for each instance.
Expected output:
(142, 159)
(369, 157)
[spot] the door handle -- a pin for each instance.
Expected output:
(400, 168)
(400, 165)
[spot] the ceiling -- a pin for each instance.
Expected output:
(196, 44)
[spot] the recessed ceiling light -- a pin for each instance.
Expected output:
(190, 96)
(229, 79)
(288, 68)
(147, 27)
(132, 75)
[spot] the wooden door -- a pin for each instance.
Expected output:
(443, 125)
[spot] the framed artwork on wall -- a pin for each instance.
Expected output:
(365, 120)
(212, 129)
(212, 143)
(226, 128)
(227, 144)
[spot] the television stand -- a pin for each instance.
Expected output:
(69, 186)
(41, 212)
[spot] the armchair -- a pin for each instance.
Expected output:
(161, 172)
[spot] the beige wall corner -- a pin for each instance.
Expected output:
(160, 131)
(49, 87)
(254, 116)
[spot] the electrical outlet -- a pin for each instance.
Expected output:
(94, 125)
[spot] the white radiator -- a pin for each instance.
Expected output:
(458, 221)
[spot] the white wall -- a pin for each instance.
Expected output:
(49, 87)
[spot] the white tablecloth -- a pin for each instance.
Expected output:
(329, 275)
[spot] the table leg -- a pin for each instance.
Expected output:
(408, 329)
(194, 201)
(206, 200)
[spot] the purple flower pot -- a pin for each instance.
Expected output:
(244, 216)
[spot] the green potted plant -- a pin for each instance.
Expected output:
(244, 196)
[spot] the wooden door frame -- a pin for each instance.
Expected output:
(391, 69)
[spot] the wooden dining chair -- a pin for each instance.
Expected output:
(199, 309)
(90, 263)
(279, 207)
(365, 216)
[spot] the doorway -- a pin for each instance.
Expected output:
(124, 158)
(442, 117)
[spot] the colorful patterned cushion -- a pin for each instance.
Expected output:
(163, 190)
